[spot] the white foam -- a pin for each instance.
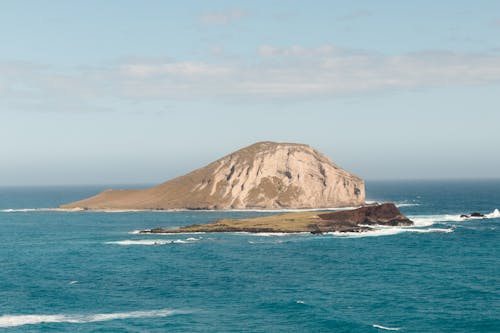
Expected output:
(371, 233)
(25, 210)
(386, 328)
(428, 220)
(424, 231)
(398, 204)
(73, 282)
(21, 320)
(146, 232)
(127, 242)
(387, 231)
(274, 234)
(493, 215)
(407, 204)
(300, 302)
(28, 210)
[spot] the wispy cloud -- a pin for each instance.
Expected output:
(222, 17)
(285, 73)
(360, 13)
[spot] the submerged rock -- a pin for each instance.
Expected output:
(474, 214)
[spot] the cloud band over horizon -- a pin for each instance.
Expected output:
(291, 73)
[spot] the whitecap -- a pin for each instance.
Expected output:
(494, 214)
(428, 220)
(28, 210)
(140, 242)
(386, 328)
(300, 301)
(387, 231)
(34, 319)
(370, 233)
(398, 204)
(407, 204)
(25, 210)
(148, 232)
(274, 234)
(441, 230)
(127, 242)
(73, 282)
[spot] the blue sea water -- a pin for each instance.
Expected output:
(88, 271)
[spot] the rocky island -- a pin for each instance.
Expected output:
(354, 220)
(265, 175)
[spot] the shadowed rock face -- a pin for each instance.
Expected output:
(265, 175)
(385, 214)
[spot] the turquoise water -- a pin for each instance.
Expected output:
(88, 271)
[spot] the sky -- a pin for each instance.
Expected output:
(137, 92)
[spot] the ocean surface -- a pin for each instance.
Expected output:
(90, 272)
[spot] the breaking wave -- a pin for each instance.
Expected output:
(387, 231)
(273, 234)
(127, 242)
(372, 233)
(420, 224)
(386, 328)
(428, 220)
(28, 210)
(34, 319)
(405, 204)
(25, 210)
(398, 204)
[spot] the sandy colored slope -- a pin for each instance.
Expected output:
(265, 175)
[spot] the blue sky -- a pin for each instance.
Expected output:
(96, 92)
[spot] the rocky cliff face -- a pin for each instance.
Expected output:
(265, 175)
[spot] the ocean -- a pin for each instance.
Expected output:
(91, 271)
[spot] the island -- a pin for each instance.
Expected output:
(264, 175)
(315, 222)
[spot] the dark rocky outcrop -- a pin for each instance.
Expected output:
(474, 214)
(384, 214)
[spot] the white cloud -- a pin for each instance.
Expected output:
(222, 17)
(357, 14)
(322, 71)
(288, 73)
(187, 69)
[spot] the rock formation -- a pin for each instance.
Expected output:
(383, 214)
(474, 214)
(265, 175)
(354, 220)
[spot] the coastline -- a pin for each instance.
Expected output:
(353, 220)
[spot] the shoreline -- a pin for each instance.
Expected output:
(356, 220)
(78, 209)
